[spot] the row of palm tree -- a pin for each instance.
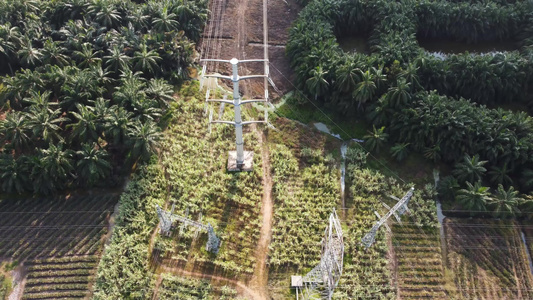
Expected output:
(472, 22)
(503, 203)
(390, 84)
(86, 86)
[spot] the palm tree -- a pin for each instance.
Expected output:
(41, 181)
(471, 169)
(87, 56)
(105, 13)
(92, 165)
(59, 161)
(160, 91)
(45, 123)
(58, 164)
(29, 56)
(17, 87)
(39, 100)
(10, 40)
(15, 130)
(376, 138)
(399, 95)
(80, 87)
(433, 153)
(143, 139)
(118, 124)
(500, 175)
(505, 203)
(165, 22)
(84, 129)
(53, 54)
(411, 75)
(13, 174)
(474, 197)
(400, 151)
(146, 60)
(117, 60)
(317, 84)
(365, 89)
(101, 112)
(347, 77)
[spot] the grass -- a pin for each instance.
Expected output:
(347, 127)
(305, 190)
(5, 280)
(174, 287)
(415, 168)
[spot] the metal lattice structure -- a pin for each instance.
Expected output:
(167, 220)
(397, 211)
(321, 281)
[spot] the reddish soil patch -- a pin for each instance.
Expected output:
(240, 35)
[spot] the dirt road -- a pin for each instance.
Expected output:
(259, 281)
(240, 35)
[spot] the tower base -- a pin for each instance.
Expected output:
(247, 162)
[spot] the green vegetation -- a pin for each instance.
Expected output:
(85, 86)
(305, 189)
(417, 249)
(367, 272)
(230, 202)
(68, 276)
(194, 161)
(305, 197)
(389, 87)
(5, 282)
(173, 287)
(123, 270)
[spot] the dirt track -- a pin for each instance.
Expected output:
(235, 29)
(240, 35)
(260, 279)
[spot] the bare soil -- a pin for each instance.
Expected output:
(260, 279)
(19, 281)
(240, 35)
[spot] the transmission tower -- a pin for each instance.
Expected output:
(238, 160)
(397, 211)
(321, 281)
(167, 220)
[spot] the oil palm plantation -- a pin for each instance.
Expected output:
(13, 173)
(376, 139)
(471, 169)
(15, 130)
(474, 197)
(84, 126)
(505, 203)
(45, 124)
(146, 61)
(72, 93)
(143, 139)
(92, 164)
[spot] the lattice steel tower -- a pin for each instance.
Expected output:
(321, 281)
